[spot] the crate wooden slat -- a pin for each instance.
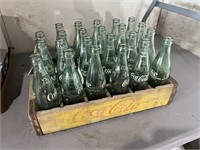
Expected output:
(71, 116)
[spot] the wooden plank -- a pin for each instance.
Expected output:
(58, 119)
(32, 110)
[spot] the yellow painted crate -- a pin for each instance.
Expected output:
(70, 116)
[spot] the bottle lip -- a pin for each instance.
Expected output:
(142, 24)
(132, 34)
(87, 39)
(82, 30)
(131, 19)
(116, 20)
(102, 29)
(110, 36)
(122, 26)
(96, 22)
(34, 55)
(122, 48)
(150, 30)
(167, 40)
(59, 24)
(95, 48)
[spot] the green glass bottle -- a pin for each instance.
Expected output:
(131, 26)
(96, 24)
(140, 73)
(60, 43)
(109, 58)
(132, 49)
(102, 40)
(84, 62)
(45, 92)
(77, 42)
(39, 37)
(150, 35)
(62, 35)
(121, 38)
(119, 79)
(160, 68)
(141, 33)
(47, 60)
(95, 80)
(71, 85)
(115, 27)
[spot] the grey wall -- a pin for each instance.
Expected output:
(23, 18)
(185, 31)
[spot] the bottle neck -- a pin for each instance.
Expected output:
(130, 26)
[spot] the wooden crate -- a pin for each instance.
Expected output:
(71, 116)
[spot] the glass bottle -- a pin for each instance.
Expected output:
(141, 33)
(71, 85)
(62, 35)
(96, 24)
(84, 61)
(119, 79)
(47, 59)
(140, 72)
(150, 35)
(39, 36)
(45, 92)
(59, 27)
(60, 46)
(160, 68)
(132, 49)
(109, 59)
(121, 38)
(115, 28)
(77, 42)
(131, 25)
(95, 80)
(102, 40)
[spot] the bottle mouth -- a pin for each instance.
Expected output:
(82, 30)
(132, 34)
(116, 20)
(122, 26)
(167, 40)
(102, 29)
(142, 25)
(96, 22)
(95, 48)
(145, 42)
(110, 36)
(87, 40)
(59, 24)
(150, 30)
(122, 48)
(39, 34)
(131, 19)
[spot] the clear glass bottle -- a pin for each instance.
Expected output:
(140, 73)
(119, 79)
(95, 80)
(71, 84)
(141, 33)
(150, 35)
(160, 68)
(115, 27)
(132, 49)
(131, 26)
(77, 42)
(121, 38)
(96, 24)
(109, 59)
(47, 60)
(45, 91)
(102, 40)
